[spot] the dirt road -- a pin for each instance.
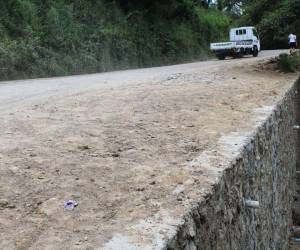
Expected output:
(118, 144)
(14, 93)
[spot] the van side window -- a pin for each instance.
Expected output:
(240, 32)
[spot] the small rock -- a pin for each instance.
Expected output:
(11, 206)
(274, 92)
(83, 147)
(152, 183)
(115, 155)
(3, 203)
(140, 189)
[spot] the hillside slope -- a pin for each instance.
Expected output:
(63, 37)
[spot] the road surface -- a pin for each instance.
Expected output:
(24, 91)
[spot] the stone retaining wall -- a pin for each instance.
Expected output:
(264, 170)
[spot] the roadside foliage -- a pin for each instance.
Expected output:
(275, 20)
(64, 37)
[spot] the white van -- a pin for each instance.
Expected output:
(243, 41)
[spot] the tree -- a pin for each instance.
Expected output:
(275, 19)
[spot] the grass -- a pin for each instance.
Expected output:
(289, 63)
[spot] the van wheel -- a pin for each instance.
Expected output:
(255, 51)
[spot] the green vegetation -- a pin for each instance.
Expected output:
(64, 37)
(275, 20)
(289, 63)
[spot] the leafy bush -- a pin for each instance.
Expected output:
(288, 63)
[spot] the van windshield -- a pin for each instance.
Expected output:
(255, 33)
